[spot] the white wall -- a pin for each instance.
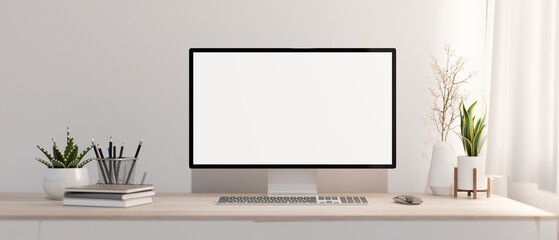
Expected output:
(119, 68)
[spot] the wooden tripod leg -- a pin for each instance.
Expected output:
(475, 183)
(455, 182)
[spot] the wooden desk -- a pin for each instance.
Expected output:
(191, 215)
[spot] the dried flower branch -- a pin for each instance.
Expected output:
(447, 90)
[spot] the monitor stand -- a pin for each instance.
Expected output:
(291, 182)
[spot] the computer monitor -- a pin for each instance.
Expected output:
(292, 110)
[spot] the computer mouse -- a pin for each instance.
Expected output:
(408, 199)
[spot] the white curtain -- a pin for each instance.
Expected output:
(524, 100)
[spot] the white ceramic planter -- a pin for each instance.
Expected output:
(466, 167)
(56, 180)
(440, 172)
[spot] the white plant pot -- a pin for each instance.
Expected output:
(466, 167)
(56, 180)
(440, 172)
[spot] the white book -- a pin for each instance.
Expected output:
(106, 202)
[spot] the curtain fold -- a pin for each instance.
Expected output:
(523, 113)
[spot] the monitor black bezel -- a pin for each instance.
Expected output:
(287, 166)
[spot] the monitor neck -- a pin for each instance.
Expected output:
(292, 182)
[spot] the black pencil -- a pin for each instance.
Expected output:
(112, 166)
(98, 161)
(134, 162)
(121, 150)
(94, 148)
(111, 154)
(138, 149)
(111, 171)
(100, 151)
(119, 156)
(115, 164)
(105, 164)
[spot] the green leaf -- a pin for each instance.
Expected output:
(468, 147)
(49, 156)
(466, 131)
(57, 154)
(477, 146)
(85, 162)
(44, 162)
(478, 124)
(74, 163)
(475, 139)
(85, 151)
(69, 147)
(471, 108)
(472, 133)
(72, 156)
(58, 164)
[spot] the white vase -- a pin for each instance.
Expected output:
(56, 180)
(466, 167)
(440, 172)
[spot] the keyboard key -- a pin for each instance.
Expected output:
(364, 200)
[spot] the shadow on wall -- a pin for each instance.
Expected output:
(256, 180)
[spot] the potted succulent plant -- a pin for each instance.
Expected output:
(65, 169)
(472, 136)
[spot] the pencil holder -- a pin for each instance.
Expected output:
(118, 171)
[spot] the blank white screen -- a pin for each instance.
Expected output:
(292, 108)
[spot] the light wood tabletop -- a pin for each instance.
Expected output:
(185, 206)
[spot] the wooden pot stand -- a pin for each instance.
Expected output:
(475, 190)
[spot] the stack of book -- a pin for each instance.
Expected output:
(105, 195)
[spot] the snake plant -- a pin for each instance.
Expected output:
(67, 159)
(471, 130)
